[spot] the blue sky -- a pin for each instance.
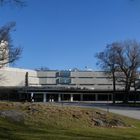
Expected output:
(64, 34)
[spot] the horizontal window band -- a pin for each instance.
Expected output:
(86, 84)
(41, 84)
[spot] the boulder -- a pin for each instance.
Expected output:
(12, 115)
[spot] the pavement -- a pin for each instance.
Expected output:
(132, 112)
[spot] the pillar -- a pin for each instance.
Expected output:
(44, 97)
(81, 97)
(71, 97)
(59, 97)
(96, 97)
(32, 97)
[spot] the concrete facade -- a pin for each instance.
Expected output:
(97, 83)
(82, 79)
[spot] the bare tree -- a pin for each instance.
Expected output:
(128, 61)
(121, 60)
(20, 3)
(107, 61)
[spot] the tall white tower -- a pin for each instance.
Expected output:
(4, 54)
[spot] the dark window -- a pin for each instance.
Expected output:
(64, 73)
(64, 81)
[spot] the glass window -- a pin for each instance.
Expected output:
(64, 81)
(64, 73)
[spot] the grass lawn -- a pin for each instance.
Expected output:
(52, 126)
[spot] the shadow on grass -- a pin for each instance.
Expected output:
(16, 131)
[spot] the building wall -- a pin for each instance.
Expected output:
(16, 77)
(83, 79)
(47, 77)
(97, 80)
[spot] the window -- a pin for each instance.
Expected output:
(64, 73)
(64, 81)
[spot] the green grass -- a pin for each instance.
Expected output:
(13, 131)
(36, 127)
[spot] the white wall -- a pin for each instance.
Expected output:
(16, 77)
(13, 76)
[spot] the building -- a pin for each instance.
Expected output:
(53, 85)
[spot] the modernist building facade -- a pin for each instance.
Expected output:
(54, 85)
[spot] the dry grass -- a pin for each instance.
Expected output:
(65, 116)
(49, 121)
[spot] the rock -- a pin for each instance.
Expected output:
(117, 123)
(98, 122)
(29, 108)
(87, 113)
(75, 116)
(12, 115)
(100, 113)
(34, 110)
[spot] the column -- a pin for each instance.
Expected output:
(71, 97)
(44, 97)
(59, 97)
(81, 97)
(96, 97)
(32, 97)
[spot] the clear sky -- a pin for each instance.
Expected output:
(64, 34)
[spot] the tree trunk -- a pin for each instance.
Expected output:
(127, 90)
(126, 97)
(125, 93)
(135, 93)
(114, 87)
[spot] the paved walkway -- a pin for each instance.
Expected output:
(132, 112)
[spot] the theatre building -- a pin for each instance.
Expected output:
(57, 86)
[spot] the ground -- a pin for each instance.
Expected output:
(27, 121)
(130, 110)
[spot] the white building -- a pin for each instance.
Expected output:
(58, 85)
